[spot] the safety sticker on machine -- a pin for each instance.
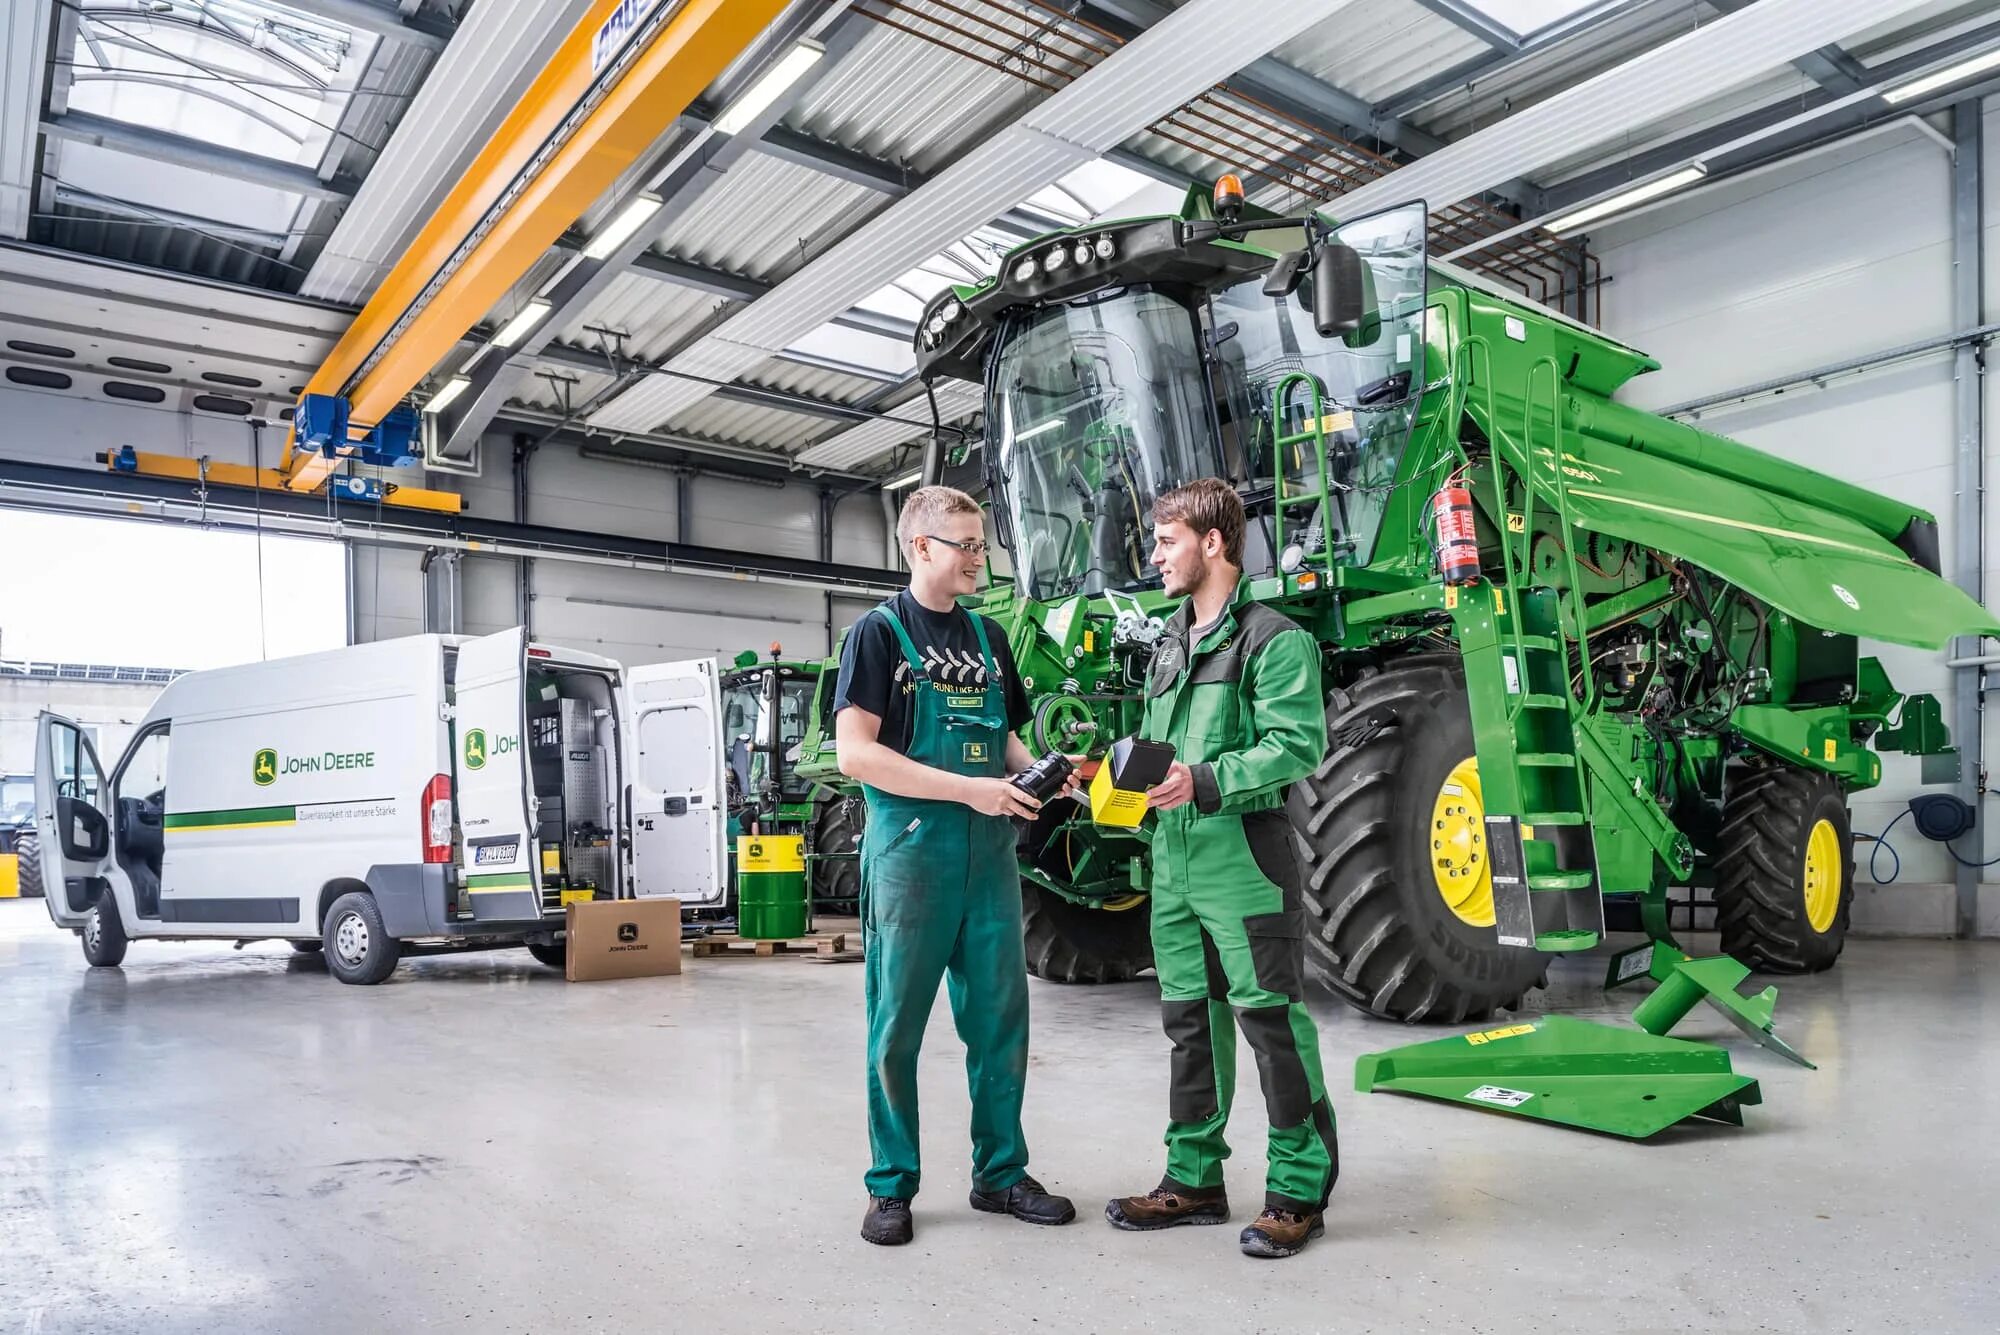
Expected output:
(1504, 1098)
(1511, 1031)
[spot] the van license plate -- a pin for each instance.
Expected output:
(498, 853)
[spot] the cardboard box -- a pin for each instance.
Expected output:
(1118, 789)
(623, 938)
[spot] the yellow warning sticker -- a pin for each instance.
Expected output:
(1517, 523)
(1832, 751)
(1499, 602)
(1333, 422)
(1511, 1031)
(1450, 596)
(1090, 641)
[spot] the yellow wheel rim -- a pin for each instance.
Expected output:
(1122, 903)
(1824, 876)
(1459, 861)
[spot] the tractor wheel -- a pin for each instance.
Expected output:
(1068, 943)
(1392, 831)
(837, 827)
(1784, 870)
(29, 848)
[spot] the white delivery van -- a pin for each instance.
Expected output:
(408, 796)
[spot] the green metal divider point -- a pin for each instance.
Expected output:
(1684, 983)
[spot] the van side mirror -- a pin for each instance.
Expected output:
(1339, 289)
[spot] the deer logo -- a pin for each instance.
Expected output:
(265, 771)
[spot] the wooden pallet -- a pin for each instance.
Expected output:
(815, 943)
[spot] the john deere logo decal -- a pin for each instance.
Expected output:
(756, 850)
(475, 749)
(1847, 597)
(265, 771)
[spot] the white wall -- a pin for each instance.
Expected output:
(633, 616)
(110, 711)
(1831, 257)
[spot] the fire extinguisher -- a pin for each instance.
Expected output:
(1457, 539)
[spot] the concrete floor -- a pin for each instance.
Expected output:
(213, 1140)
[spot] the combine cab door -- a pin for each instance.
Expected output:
(73, 819)
(490, 759)
(674, 732)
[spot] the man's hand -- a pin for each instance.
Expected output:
(1074, 786)
(998, 797)
(1177, 789)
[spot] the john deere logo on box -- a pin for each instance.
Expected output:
(628, 931)
(475, 749)
(265, 771)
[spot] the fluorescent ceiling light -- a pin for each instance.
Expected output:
(1625, 199)
(443, 398)
(614, 233)
(908, 479)
(517, 328)
(1950, 74)
(1038, 429)
(766, 90)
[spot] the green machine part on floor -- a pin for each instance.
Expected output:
(1571, 1072)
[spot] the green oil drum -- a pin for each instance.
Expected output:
(771, 902)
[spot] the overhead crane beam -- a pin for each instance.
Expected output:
(599, 105)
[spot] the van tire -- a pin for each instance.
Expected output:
(103, 933)
(367, 954)
(555, 954)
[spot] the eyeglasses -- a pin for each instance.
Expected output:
(975, 548)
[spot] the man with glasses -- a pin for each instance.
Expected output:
(925, 711)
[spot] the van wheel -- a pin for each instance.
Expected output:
(308, 947)
(358, 949)
(556, 956)
(104, 938)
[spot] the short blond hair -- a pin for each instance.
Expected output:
(926, 506)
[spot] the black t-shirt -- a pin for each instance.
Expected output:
(875, 675)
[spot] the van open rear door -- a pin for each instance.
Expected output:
(72, 818)
(673, 723)
(490, 760)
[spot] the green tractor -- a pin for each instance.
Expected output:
(766, 705)
(1575, 654)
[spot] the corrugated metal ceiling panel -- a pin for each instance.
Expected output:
(813, 380)
(1375, 49)
(755, 220)
(751, 424)
(655, 316)
(899, 97)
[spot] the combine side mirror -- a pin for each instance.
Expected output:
(1339, 289)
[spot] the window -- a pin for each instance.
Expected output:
(143, 771)
(77, 772)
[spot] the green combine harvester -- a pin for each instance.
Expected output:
(1575, 654)
(766, 705)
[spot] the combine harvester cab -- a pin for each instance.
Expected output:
(1575, 653)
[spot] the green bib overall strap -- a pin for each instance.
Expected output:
(941, 897)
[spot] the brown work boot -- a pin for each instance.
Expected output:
(1168, 1204)
(1278, 1232)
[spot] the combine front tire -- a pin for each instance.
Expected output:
(1392, 833)
(1784, 870)
(1068, 943)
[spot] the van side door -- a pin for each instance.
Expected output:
(675, 781)
(490, 764)
(73, 818)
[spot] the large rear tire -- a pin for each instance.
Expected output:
(837, 827)
(1387, 938)
(1784, 870)
(1068, 943)
(29, 848)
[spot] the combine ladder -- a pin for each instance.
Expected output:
(1527, 724)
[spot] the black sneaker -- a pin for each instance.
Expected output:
(1025, 1200)
(887, 1223)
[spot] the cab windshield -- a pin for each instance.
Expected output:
(1097, 407)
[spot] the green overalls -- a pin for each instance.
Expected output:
(1243, 711)
(941, 897)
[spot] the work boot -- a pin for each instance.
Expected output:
(1169, 1204)
(887, 1223)
(1277, 1232)
(1025, 1200)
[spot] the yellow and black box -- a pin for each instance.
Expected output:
(1118, 790)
